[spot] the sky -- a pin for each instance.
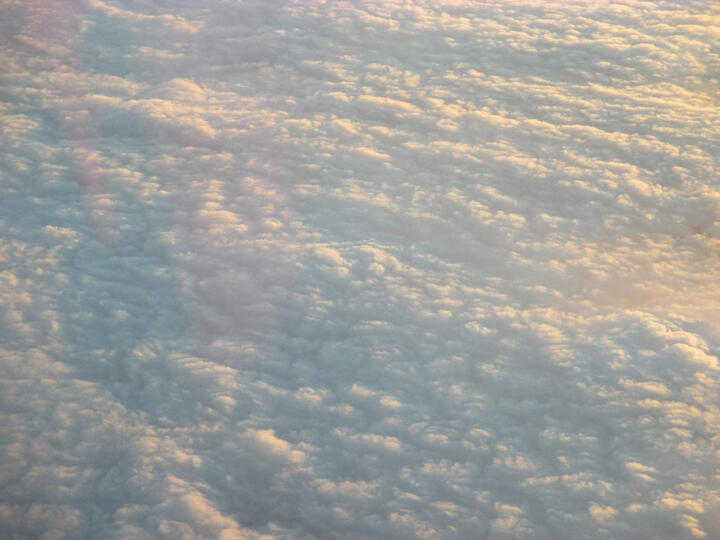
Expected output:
(389, 269)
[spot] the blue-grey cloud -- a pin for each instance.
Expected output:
(391, 270)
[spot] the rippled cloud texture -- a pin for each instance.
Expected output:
(345, 270)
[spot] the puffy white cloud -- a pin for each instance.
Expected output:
(391, 270)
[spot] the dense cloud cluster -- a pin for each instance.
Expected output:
(275, 269)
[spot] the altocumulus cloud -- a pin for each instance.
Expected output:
(342, 270)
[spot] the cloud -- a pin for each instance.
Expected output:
(391, 270)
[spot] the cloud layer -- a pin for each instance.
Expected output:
(342, 270)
